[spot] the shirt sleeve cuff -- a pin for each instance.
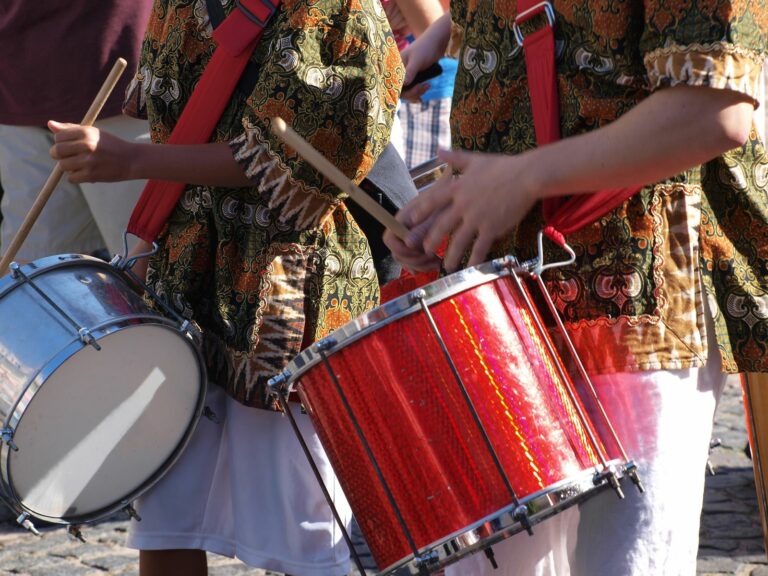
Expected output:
(293, 201)
(716, 65)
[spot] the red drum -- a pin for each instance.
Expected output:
(448, 419)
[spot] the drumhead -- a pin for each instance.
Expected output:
(106, 423)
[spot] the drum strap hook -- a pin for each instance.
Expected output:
(540, 266)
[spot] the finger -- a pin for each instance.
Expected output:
(414, 94)
(398, 248)
(460, 241)
(66, 149)
(63, 130)
(77, 176)
(431, 201)
(417, 234)
(480, 249)
(458, 159)
(410, 259)
(445, 224)
(71, 164)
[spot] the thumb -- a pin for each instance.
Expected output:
(57, 127)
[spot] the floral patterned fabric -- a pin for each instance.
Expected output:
(633, 299)
(265, 269)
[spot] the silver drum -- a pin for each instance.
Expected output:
(98, 393)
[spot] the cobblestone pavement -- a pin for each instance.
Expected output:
(731, 534)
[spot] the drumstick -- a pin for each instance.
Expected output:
(57, 172)
(321, 163)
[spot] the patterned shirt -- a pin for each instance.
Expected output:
(265, 269)
(633, 300)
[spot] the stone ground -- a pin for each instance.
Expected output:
(731, 535)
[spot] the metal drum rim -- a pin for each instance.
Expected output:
(539, 505)
(37, 267)
(400, 307)
(58, 360)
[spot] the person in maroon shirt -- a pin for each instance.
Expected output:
(56, 55)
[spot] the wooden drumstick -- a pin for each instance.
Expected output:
(321, 163)
(57, 172)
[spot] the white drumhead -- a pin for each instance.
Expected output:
(104, 422)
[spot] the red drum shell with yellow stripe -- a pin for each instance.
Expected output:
(383, 394)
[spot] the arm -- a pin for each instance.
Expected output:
(647, 144)
(427, 48)
(419, 14)
(90, 155)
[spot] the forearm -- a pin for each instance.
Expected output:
(420, 14)
(435, 39)
(202, 164)
(671, 131)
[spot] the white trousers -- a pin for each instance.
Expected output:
(243, 488)
(664, 419)
(77, 218)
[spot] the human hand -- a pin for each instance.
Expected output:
(412, 259)
(489, 197)
(416, 57)
(88, 154)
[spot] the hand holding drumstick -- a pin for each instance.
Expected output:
(394, 227)
(56, 174)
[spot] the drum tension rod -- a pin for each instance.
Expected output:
(74, 532)
(131, 511)
(491, 557)
(419, 297)
(84, 334)
(7, 436)
(24, 521)
(609, 476)
(630, 468)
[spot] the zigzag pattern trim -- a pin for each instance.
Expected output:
(293, 201)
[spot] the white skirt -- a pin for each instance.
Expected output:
(243, 488)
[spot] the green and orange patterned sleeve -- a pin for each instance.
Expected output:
(713, 43)
(332, 71)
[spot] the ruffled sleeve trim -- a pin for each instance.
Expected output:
(716, 65)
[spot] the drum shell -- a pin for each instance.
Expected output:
(391, 381)
(42, 315)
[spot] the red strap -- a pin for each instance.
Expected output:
(236, 37)
(563, 216)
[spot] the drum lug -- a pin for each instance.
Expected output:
(74, 532)
(277, 383)
(609, 476)
(15, 270)
(521, 515)
(630, 469)
(190, 330)
(131, 512)
(427, 561)
(211, 415)
(87, 338)
(326, 344)
(7, 435)
(24, 521)
(417, 295)
(507, 262)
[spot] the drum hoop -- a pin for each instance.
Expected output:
(540, 505)
(402, 306)
(43, 265)
(37, 381)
